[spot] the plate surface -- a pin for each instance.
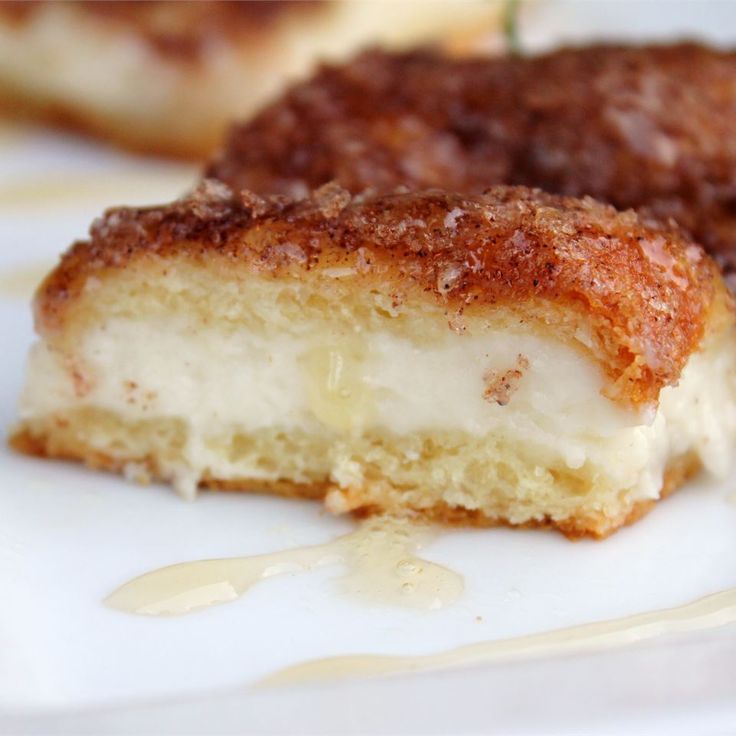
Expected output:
(69, 536)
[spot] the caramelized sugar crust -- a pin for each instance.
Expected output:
(649, 127)
(643, 294)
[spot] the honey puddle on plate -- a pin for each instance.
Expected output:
(705, 613)
(381, 565)
(379, 560)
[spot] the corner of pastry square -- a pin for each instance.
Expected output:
(511, 357)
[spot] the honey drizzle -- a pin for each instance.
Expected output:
(379, 557)
(710, 612)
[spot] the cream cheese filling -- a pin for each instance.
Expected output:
(219, 380)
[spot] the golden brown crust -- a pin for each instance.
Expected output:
(644, 293)
(597, 526)
(647, 127)
(184, 31)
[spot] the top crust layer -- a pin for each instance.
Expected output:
(181, 30)
(643, 295)
(647, 127)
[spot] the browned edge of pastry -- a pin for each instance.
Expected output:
(574, 528)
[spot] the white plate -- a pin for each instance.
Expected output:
(69, 536)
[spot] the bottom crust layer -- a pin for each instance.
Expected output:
(590, 524)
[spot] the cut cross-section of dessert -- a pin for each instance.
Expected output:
(508, 357)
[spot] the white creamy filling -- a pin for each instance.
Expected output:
(218, 381)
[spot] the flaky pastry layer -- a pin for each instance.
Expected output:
(70, 438)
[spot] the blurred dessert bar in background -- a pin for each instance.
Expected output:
(649, 127)
(166, 77)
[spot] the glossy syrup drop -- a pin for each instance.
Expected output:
(379, 560)
(336, 389)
